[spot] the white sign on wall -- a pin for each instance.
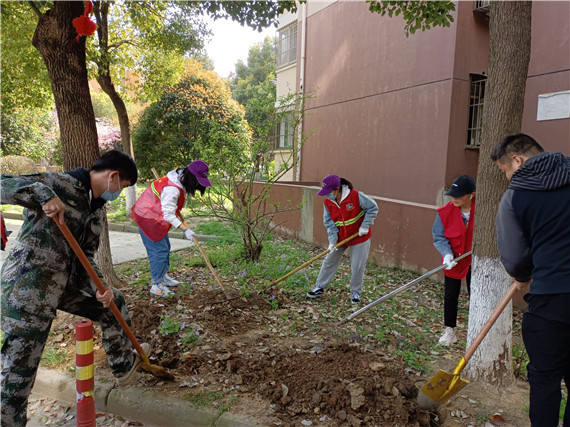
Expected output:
(552, 106)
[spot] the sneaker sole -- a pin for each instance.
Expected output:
(314, 296)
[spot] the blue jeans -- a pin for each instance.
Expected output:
(158, 255)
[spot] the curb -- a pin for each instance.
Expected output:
(138, 404)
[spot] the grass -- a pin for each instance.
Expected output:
(407, 325)
(54, 357)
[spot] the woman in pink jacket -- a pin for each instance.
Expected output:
(158, 209)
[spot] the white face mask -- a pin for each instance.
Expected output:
(107, 195)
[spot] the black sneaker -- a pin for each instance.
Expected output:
(316, 293)
(356, 298)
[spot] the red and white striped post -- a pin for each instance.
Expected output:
(84, 380)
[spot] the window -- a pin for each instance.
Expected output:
(284, 133)
(476, 102)
(287, 45)
(482, 5)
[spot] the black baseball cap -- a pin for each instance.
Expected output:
(461, 186)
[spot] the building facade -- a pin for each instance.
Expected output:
(401, 117)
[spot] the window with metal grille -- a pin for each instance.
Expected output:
(284, 134)
(287, 45)
(482, 4)
(476, 103)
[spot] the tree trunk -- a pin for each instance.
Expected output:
(104, 79)
(509, 55)
(65, 61)
(64, 56)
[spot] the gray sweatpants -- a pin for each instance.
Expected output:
(358, 257)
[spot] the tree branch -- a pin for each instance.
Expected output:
(34, 8)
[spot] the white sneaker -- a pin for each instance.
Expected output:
(169, 281)
(160, 291)
(448, 337)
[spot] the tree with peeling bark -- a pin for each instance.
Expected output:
(509, 55)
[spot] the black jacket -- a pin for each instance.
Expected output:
(533, 224)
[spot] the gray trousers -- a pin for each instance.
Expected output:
(358, 257)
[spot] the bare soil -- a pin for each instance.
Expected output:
(292, 366)
(288, 380)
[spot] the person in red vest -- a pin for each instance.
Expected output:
(453, 236)
(5, 233)
(346, 212)
(158, 209)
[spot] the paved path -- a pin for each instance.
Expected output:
(125, 245)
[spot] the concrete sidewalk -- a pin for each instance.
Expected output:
(125, 240)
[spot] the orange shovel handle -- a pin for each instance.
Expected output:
(95, 278)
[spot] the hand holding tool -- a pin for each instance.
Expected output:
(157, 371)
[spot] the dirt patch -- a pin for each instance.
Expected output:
(282, 361)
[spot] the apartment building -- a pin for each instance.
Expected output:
(400, 116)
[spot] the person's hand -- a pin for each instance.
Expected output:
(523, 287)
(448, 260)
(331, 247)
(105, 298)
(54, 208)
(362, 231)
(189, 234)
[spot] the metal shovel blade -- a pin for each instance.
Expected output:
(442, 386)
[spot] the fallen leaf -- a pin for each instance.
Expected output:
(497, 420)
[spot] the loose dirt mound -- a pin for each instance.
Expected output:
(268, 366)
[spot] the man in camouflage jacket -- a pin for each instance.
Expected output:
(42, 274)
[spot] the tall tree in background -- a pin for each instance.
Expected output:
(509, 57)
(141, 45)
(509, 35)
(196, 118)
(253, 85)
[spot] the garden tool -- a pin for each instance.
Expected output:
(401, 289)
(444, 385)
(322, 254)
(157, 371)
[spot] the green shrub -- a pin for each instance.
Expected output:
(17, 165)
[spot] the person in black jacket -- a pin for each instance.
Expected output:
(533, 237)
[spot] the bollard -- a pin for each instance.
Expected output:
(84, 380)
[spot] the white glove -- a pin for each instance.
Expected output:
(448, 260)
(189, 234)
(331, 247)
(362, 231)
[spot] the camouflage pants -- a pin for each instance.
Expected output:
(24, 338)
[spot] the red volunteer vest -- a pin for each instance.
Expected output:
(348, 217)
(460, 237)
(147, 210)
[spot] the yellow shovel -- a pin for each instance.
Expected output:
(444, 385)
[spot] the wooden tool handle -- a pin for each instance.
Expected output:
(211, 267)
(93, 275)
(322, 254)
(494, 316)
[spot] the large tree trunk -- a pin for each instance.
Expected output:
(101, 10)
(509, 55)
(65, 61)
